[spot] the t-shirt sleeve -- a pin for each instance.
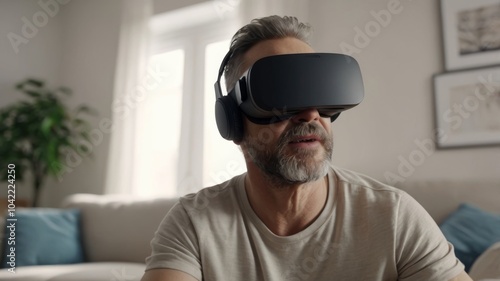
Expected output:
(423, 253)
(175, 244)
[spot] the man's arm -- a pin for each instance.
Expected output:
(176, 275)
(461, 277)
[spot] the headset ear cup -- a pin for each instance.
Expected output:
(228, 118)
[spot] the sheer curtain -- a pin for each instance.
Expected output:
(130, 87)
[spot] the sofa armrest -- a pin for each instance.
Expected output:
(487, 266)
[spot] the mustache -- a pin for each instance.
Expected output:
(302, 130)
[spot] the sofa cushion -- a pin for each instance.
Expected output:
(118, 228)
(471, 231)
(43, 236)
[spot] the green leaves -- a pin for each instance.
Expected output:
(35, 132)
(30, 82)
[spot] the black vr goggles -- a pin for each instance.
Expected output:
(275, 88)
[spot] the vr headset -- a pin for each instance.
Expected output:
(275, 88)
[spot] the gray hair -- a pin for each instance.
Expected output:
(272, 27)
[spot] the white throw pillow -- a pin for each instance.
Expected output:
(487, 266)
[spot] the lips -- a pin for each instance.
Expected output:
(305, 139)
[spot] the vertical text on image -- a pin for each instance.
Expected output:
(11, 220)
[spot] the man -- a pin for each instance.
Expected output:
(293, 216)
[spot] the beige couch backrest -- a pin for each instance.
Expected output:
(441, 198)
(118, 228)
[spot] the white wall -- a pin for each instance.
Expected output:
(162, 6)
(89, 42)
(37, 57)
(397, 63)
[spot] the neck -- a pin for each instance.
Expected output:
(287, 209)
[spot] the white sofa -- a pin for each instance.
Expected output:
(116, 231)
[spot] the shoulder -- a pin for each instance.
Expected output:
(353, 179)
(377, 200)
(362, 187)
(212, 199)
(199, 213)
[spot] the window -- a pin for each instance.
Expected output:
(180, 148)
(158, 132)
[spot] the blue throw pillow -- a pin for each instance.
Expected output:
(471, 231)
(43, 236)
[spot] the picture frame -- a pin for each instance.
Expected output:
(467, 107)
(471, 33)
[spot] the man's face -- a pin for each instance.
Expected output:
(295, 150)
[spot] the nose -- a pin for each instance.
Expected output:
(306, 116)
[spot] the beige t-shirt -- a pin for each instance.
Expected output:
(367, 231)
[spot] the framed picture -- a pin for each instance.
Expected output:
(471, 33)
(467, 107)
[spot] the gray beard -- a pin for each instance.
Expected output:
(296, 168)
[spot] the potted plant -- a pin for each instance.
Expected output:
(36, 132)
